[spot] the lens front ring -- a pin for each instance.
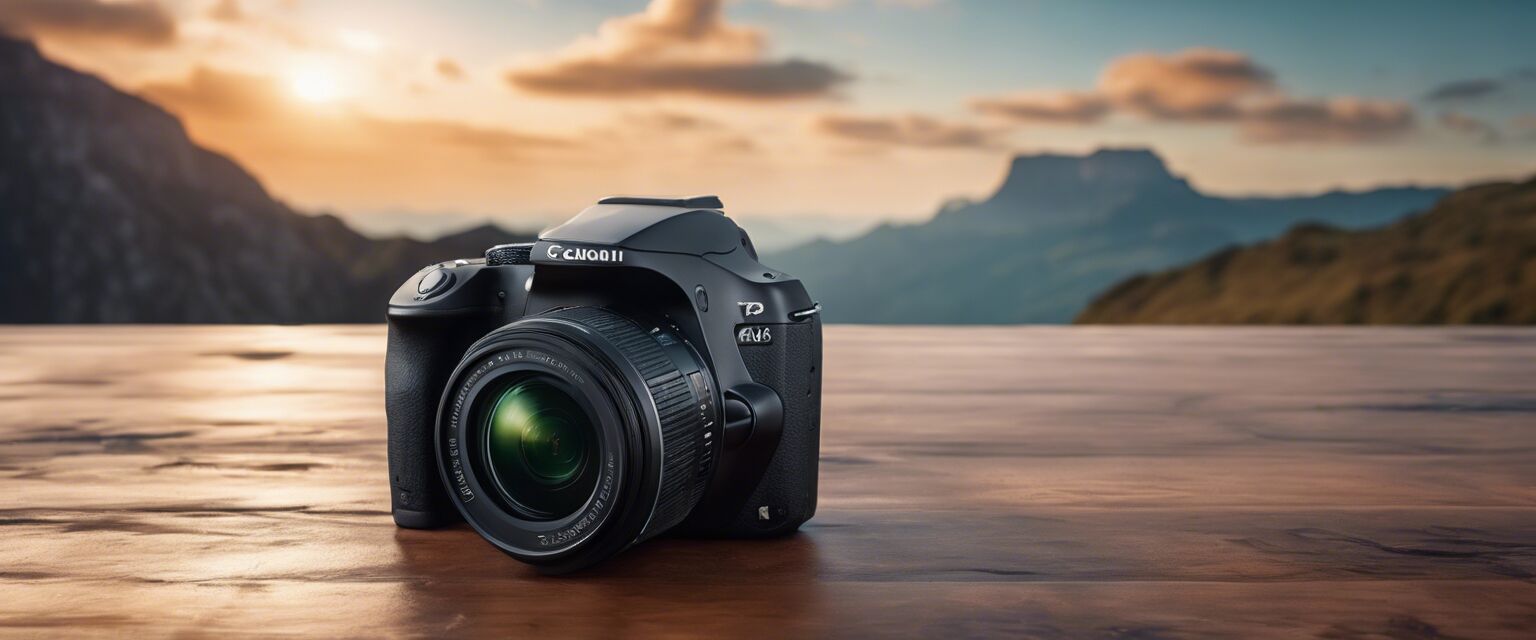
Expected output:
(470, 478)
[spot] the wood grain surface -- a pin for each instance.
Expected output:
(1017, 482)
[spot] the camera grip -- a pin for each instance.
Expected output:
(786, 496)
(422, 354)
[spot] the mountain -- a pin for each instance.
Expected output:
(109, 213)
(1057, 230)
(1469, 260)
(781, 232)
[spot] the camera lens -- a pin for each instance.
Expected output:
(538, 444)
(565, 437)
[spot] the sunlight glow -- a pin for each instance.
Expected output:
(313, 85)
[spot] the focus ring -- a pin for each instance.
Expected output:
(683, 427)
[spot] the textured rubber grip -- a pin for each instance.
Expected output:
(422, 354)
(786, 496)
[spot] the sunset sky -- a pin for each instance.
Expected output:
(426, 116)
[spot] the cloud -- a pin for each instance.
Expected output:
(1464, 90)
(343, 155)
(1207, 86)
(260, 106)
(214, 93)
(492, 144)
(227, 11)
(676, 47)
(1477, 89)
(1195, 84)
(751, 80)
(684, 136)
(449, 68)
(1047, 107)
(736, 144)
(135, 22)
(671, 121)
(1338, 120)
(911, 130)
(1470, 126)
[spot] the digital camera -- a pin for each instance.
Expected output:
(635, 371)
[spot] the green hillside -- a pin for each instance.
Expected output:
(1469, 260)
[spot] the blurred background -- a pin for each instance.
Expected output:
(915, 161)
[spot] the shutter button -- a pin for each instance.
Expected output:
(434, 282)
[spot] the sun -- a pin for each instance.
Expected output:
(314, 85)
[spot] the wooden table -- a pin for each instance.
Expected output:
(1041, 482)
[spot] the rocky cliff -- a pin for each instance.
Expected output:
(109, 213)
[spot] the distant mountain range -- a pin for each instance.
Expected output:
(1469, 260)
(1059, 230)
(109, 213)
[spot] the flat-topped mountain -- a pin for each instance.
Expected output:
(1469, 260)
(1057, 230)
(109, 213)
(1060, 189)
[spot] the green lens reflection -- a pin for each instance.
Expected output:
(539, 444)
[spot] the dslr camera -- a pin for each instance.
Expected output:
(636, 371)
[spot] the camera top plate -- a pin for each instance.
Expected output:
(694, 225)
(690, 202)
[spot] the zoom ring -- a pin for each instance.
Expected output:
(682, 427)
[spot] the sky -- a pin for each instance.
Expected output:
(826, 114)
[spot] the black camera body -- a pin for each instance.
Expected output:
(635, 371)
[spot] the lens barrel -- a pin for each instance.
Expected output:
(567, 436)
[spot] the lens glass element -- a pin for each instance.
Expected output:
(539, 444)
